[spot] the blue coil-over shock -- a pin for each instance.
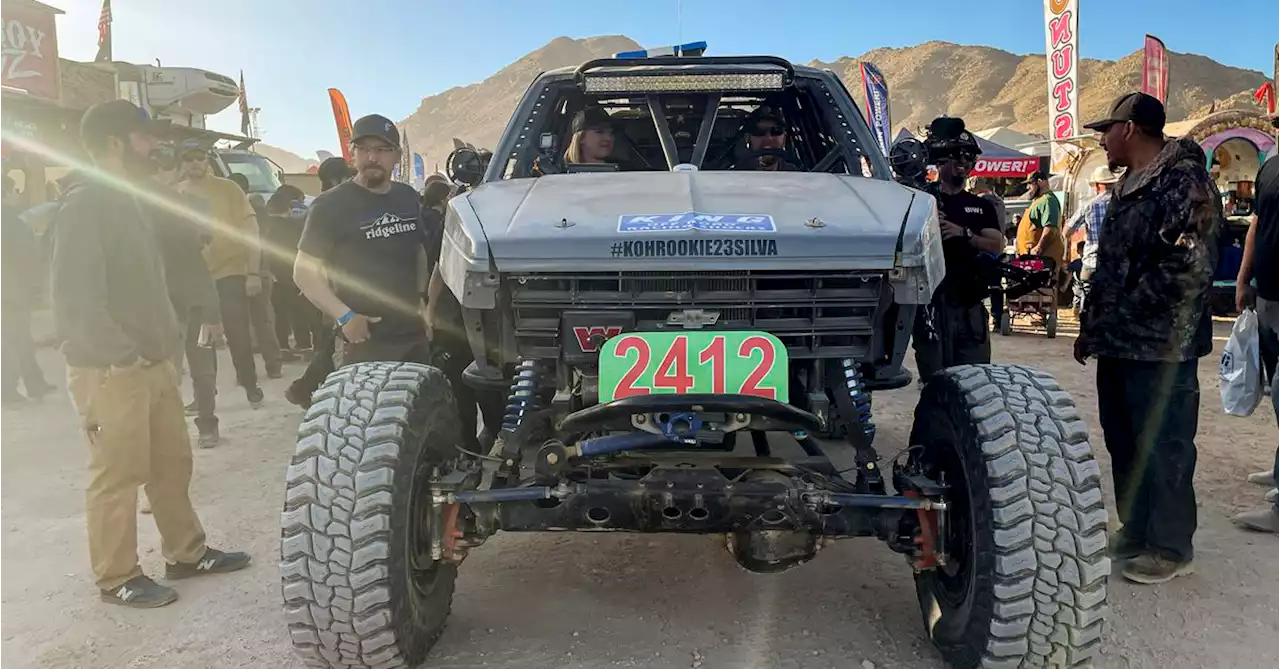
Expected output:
(522, 398)
(857, 389)
(856, 402)
(521, 401)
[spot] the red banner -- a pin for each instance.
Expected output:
(341, 117)
(1155, 69)
(1005, 167)
(30, 50)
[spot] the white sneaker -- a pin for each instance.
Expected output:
(1272, 495)
(1266, 478)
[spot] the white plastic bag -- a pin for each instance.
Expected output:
(1240, 370)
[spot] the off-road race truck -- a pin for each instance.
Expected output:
(688, 344)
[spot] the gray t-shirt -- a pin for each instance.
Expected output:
(369, 243)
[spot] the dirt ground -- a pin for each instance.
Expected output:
(595, 600)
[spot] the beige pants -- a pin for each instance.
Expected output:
(137, 437)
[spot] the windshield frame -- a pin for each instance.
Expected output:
(519, 144)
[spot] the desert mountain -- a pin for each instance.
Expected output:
(986, 86)
(479, 113)
(989, 87)
(287, 160)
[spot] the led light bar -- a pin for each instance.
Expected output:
(690, 50)
(664, 82)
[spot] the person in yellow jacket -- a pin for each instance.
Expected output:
(1040, 230)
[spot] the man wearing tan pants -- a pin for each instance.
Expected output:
(119, 331)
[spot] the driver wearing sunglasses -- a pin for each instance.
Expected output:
(766, 132)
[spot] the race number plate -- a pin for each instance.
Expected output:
(682, 363)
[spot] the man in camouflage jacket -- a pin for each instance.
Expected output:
(1147, 323)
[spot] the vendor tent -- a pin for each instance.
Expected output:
(1002, 161)
(1006, 136)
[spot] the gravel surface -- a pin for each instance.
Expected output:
(595, 600)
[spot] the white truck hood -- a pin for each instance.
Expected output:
(642, 220)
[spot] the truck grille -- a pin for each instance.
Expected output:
(815, 314)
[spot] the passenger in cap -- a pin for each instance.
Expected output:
(766, 130)
(592, 141)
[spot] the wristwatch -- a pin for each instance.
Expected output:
(346, 318)
(968, 234)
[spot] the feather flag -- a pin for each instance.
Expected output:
(342, 118)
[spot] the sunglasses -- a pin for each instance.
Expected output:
(772, 131)
(958, 158)
(193, 158)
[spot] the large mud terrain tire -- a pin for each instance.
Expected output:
(1026, 585)
(359, 587)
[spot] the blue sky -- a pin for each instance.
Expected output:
(385, 55)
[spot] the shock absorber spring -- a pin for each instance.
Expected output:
(522, 398)
(858, 394)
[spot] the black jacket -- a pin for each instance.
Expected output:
(20, 262)
(1156, 254)
(111, 303)
(183, 231)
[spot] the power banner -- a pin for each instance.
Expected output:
(341, 117)
(31, 49)
(1155, 69)
(877, 91)
(1062, 44)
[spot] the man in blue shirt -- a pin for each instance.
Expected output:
(1091, 214)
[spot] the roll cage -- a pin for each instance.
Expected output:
(671, 111)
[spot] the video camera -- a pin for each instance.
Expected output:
(909, 157)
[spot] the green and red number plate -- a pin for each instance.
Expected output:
(683, 363)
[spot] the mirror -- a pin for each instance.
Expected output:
(466, 166)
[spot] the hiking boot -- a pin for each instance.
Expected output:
(213, 561)
(140, 592)
(254, 396)
(1121, 547)
(1267, 478)
(208, 439)
(1259, 520)
(1151, 569)
(297, 395)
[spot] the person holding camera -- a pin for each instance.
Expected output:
(953, 328)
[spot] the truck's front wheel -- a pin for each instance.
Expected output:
(1025, 583)
(360, 588)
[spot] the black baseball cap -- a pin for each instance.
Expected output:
(116, 118)
(333, 169)
(591, 117)
(1034, 177)
(764, 112)
(1138, 108)
(375, 125)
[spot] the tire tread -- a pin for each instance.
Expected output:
(340, 511)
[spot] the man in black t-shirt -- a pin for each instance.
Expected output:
(953, 328)
(1261, 264)
(361, 259)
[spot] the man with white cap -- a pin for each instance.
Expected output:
(1091, 215)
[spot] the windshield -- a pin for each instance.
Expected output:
(260, 172)
(792, 129)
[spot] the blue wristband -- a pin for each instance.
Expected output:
(346, 318)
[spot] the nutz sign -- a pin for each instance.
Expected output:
(1062, 44)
